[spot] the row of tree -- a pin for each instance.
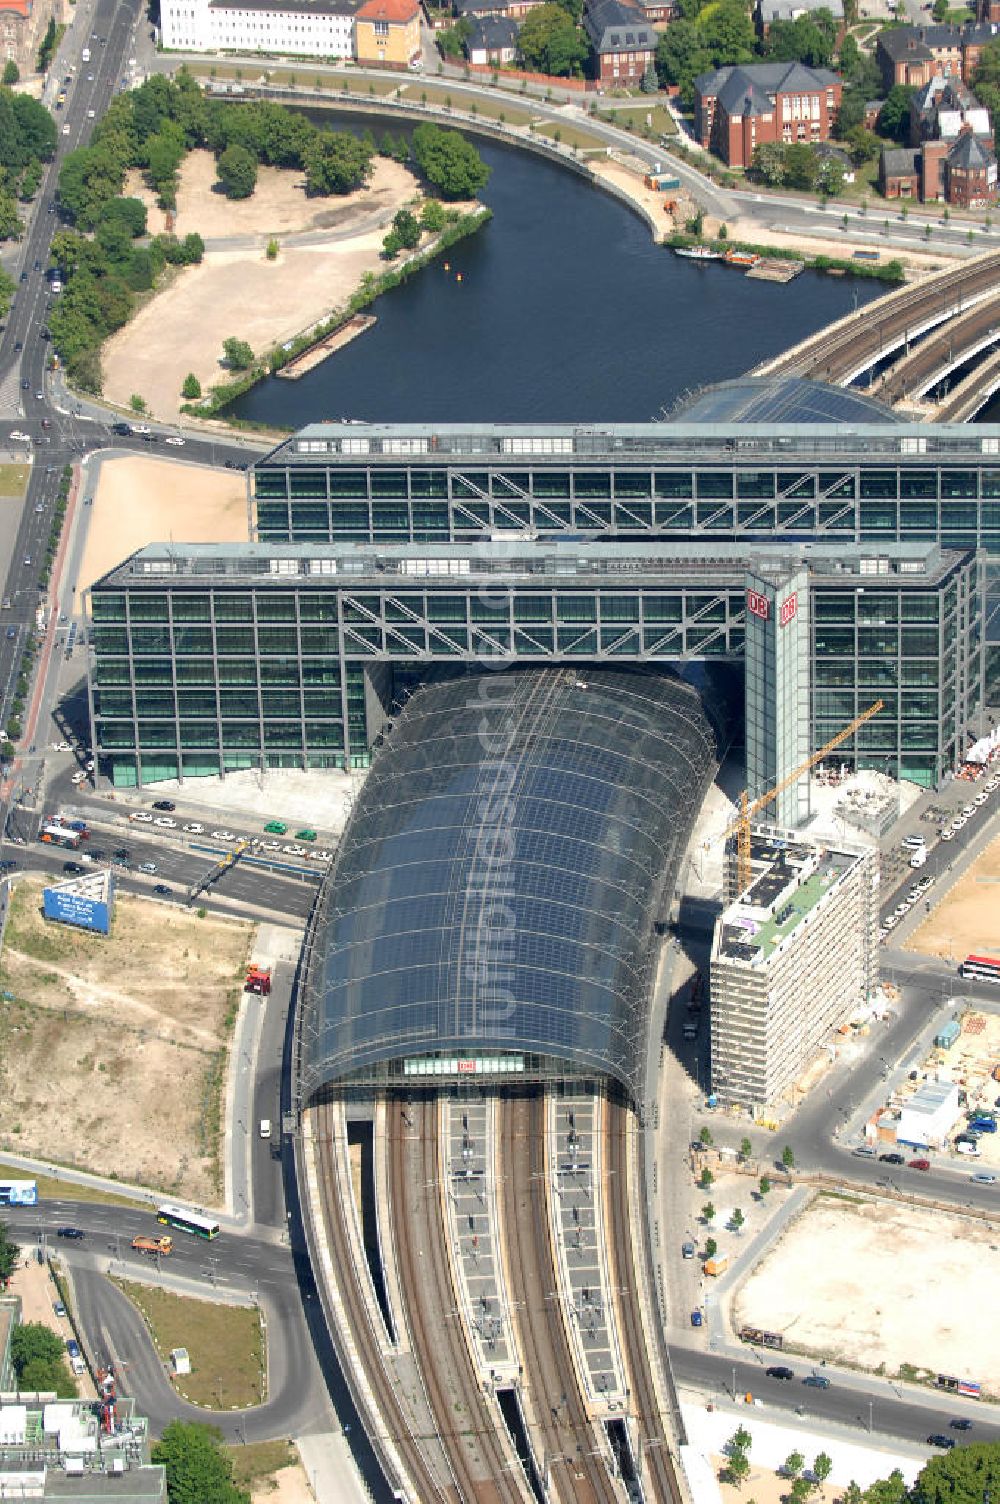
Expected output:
(27, 141)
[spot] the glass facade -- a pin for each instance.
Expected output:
(220, 657)
(495, 892)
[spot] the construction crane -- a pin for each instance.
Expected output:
(741, 825)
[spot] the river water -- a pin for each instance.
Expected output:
(561, 309)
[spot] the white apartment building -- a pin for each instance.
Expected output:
(298, 28)
(792, 957)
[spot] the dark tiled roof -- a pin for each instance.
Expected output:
(923, 41)
(614, 26)
(746, 89)
(899, 161)
(494, 33)
(969, 153)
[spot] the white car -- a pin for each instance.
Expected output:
(175, 439)
(294, 850)
(79, 778)
(63, 747)
(140, 428)
(195, 829)
(223, 835)
(89, 765)
(22, 438)
(141, 818)
(65, 130)
(91, 114)
(980, 799)
(321, 856)
(270, 845)
(166, 821)
(968, 811)
(947, 835)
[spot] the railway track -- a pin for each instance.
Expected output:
(653, 1443)
(469, 1425)
(563, 1438)
(367, 1341)
(833, 353)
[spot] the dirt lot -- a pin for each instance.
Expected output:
(879, 1287)
(237, 291)
(139, 501)
(968, 919)
(113, 1050)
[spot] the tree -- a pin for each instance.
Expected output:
(137, 403)
(130, 212)
(236, 170)
(801, 166)
(272, 249)
(708, 1212)
(852, 1494)
(711, 1248)
(893, 1490)
(10, 1252)
(740, 1441)
(707, 1179)
(191, 387)
(11, 72)
(681, 55)
(38, 1356)
(804, 40)
(335, 163)
(788, 1156)
(822, 1468)
(737, 1219)
(193, 247)
(448, 161)
(894, 116)
(237, 353)
(738, 1468)
(746, 1148)
(432, 216)
(793, 1464)
(940, 10)
(407, 228)
(705, 1136)
(800, 1490)
(767, 163)
(728, 32)
(551, 42)
(48, 45)
(198, 1470)
(968, 1475)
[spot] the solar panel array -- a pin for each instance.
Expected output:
(498, 882)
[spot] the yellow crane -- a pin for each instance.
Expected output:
(741, 825)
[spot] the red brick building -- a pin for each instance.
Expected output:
(914, 54)
(623, 40)
(740, 107)
(962, 172)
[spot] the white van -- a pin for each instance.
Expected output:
(265, 1127)
(919, 857)
(913, 843)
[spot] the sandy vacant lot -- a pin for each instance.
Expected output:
(237, 291)
(139, 501)
(112, 1054)
(873, 1284)
(968, 919)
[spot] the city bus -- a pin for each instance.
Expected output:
(18, 1193)
(980, 969)
(176, 1216)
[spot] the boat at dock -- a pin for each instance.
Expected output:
(697, 252)
(741, 258)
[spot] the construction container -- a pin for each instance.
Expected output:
(947, 1036)
(715, 1266)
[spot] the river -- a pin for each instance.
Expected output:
(561, 309)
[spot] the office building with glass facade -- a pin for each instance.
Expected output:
(211, 658)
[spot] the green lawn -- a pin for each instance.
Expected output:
(225, 1344)
(569, 135)
(52, 1188)
(14, 480)
(660, 122)
(254, 1464)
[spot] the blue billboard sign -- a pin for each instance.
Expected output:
(79, 908)
(18, 1193)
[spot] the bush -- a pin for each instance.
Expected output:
(191, 387)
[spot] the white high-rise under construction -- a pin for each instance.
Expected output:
(792, 958)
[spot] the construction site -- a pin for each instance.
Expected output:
(131, 1028)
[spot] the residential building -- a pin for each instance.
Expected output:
(738, 108)
(914, 54)
(491, 39)
(387, 31)
(943, 108)
(503, 10)
(793, 957)
(303, 28)
(623, 40)
(769, 11)
(962, 173)
(988, 12)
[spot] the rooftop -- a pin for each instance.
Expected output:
(280, 565)
(396, 12)
(795, 878)
(781, 399)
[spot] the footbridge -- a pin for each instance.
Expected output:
(862, 341)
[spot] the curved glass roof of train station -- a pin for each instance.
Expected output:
(495, 891)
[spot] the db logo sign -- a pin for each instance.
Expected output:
(788, 608)
(471, 1066)
(758, 604)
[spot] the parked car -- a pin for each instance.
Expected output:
(960, 1423)
(194, 828)
(779, 1371)
(275, 828)
(817, 1381)
(918, 1164)
(147, 867)
(223, 835)
(892, 1159)
(76, 1233)
(142, 818)
(59, 1308)
(937, 1439)
(73, 868)
(166, 805)
(166, 822)
(983, 1177)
